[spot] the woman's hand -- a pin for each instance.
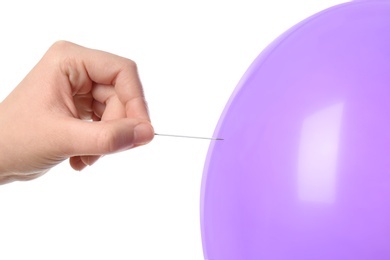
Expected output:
(76, 103)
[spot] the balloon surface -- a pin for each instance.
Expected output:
(303, 171)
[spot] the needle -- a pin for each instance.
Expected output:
(196, 137)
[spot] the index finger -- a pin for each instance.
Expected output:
(110, 69)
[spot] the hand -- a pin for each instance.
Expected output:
(76, 103)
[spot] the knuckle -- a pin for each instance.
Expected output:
(58, 53)
(130, 64)
(60, 46)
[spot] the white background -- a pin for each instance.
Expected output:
(143, 203)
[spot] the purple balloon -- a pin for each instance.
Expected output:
(304, 168)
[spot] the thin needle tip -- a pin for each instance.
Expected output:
(195, 137)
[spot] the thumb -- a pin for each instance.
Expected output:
(105, 137)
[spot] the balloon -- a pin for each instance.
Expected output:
(303, 171)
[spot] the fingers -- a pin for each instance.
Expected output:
(123, 75)
(102, 93)
(104, 137)
(57, 102)
(98, 110)
(80, 162)
(84, 66)
(107, 105)
(76, 163)
(83, 104)
(105, 88)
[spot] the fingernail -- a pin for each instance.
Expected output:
(143, 134)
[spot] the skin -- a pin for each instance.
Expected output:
(77, 104)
